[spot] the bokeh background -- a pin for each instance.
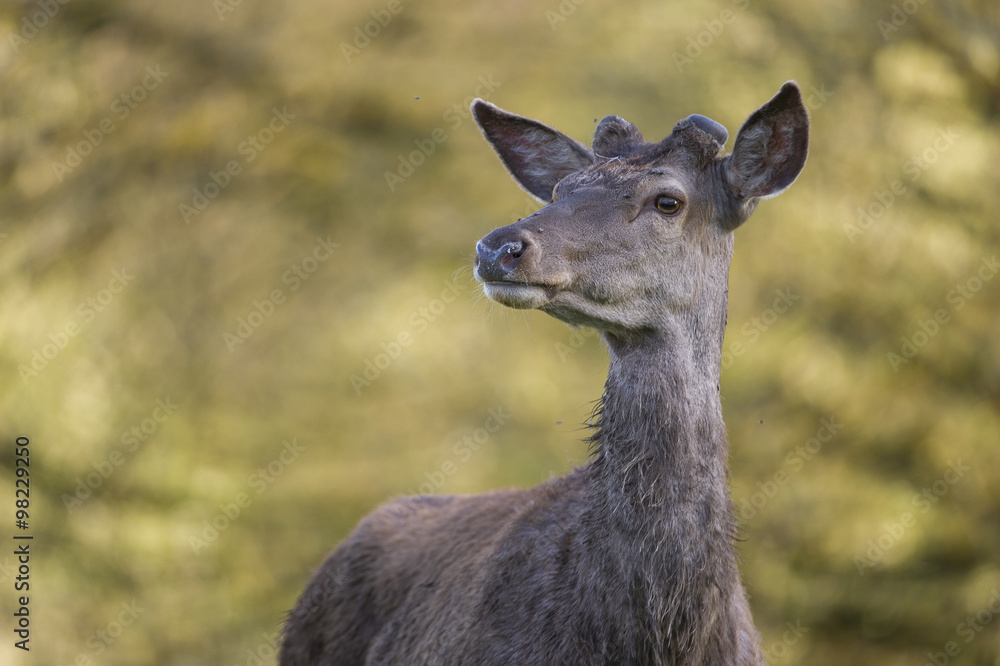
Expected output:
(229, 335)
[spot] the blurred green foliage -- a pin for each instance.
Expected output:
(276, 123)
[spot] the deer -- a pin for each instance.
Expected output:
(629, 559)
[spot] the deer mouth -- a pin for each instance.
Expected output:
(519, 295)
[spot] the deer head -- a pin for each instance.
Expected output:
(634, 233)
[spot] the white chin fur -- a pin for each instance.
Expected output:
(519, 296)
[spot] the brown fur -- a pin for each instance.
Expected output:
(628, 560)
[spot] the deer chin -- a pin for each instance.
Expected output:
(519, 295)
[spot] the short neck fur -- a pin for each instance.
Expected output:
(662, 518)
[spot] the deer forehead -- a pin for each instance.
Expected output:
(669, 172)
(630, 164)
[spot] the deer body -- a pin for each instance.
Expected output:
(629, 559)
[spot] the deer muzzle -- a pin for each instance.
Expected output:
(498, 257)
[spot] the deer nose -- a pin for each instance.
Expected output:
(493, 264)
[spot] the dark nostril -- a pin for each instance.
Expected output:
(510, 254)
(497, 263)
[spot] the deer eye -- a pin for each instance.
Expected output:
(668, 205)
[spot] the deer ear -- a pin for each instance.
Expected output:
(771, 147)
(536, 155)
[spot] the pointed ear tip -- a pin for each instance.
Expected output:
(480, 108)
(791, 95)
(790, 91)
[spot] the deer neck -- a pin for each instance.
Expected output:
(659, 486)
(661, 448)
